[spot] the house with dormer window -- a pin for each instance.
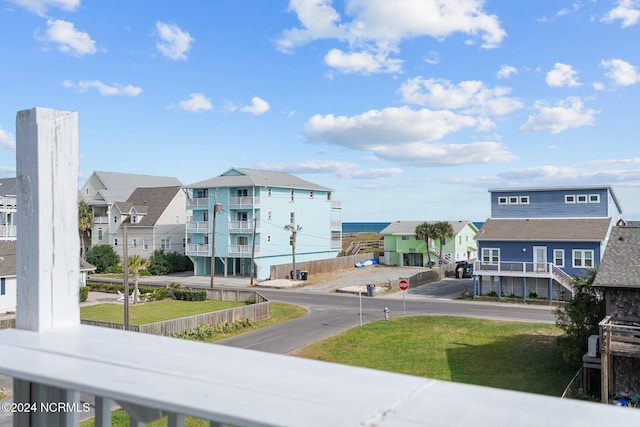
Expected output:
(538, 239)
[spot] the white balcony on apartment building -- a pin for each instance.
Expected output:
(202, 202)
(8, 203)
(243, 250)
(100, 220)
(244, 201)
(197, 249)
(197, 226)
(53, 358)
(8, 232)
(243, 226)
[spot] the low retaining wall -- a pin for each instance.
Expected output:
(282, 271)
(259, 309)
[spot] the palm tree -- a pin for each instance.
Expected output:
(136, 264)
(294, 232)
(442, 230)
(85, 225)
(425, 231)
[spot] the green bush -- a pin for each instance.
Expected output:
(84, 293)
(144, 272)
(205, 332)
(159, 294)
(187, 295)
(114, 269)
(161, 263)
(115, 287)
(102, 257)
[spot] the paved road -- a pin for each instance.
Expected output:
(330, 314)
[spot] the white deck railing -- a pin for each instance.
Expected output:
(53, 358)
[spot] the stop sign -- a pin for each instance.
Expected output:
(404, 285)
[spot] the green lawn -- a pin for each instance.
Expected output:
(508, 355)
(155, 311)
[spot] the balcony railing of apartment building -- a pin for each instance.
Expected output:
(546, 270)
(243, 226)
(336, 225)
(197, 248)
(336, 204)
(8, 203)
(197, 226)
(244, 201)
(243, 250)
(53, 358)
(8, 232)
(202, 202)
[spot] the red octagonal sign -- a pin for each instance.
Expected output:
(404, 285)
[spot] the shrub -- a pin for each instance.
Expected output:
(188, 295)
(492, 294)
(159, 294)
(161, 263)
(114, 269)
(205, 332)
(144, 272)
(102, 257)
(84, 293)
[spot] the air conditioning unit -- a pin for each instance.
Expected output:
(592, 348)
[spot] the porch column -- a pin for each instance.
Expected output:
(550, 289)
(48, 244)
(499, 286)
(475, 285)
(524, 288)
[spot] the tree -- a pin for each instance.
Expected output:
(441, 231)
(294, 229)
(426, 232)
(103, 257)
(136, 264)
(579, 318)
(85, 225)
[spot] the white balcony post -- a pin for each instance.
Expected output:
(48, 244)
(48, 241)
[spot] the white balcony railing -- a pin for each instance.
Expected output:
(245, 201)
(100, 220)
(517, 269)
(197, 249)
(336, 225)
(8, 203)
(197, 226)
(242, 250)
(198, 202)
(246, 226)
(336, 204)
(8, 232)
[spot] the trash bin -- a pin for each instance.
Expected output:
(291, 276)
(297, 274)
(304, 274)
(371, 290)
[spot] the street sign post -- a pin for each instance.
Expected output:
(404, 285)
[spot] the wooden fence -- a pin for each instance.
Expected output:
(8, 323)
(283, 271)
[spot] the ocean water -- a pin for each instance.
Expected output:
(363, 227)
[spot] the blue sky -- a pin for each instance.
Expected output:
(408, 109)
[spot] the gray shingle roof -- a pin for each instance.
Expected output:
(584, 230)
(8, 187)
(619, 266)
(151, 201)
(409, 227)
(8, 259)
(242, 177)
(119, 186)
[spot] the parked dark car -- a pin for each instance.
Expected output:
(464, 269)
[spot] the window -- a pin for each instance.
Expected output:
(328, 197)
(558, 257)
(134, 243)
(582, 198)
(184, 243)
(269, 238)
(115, 218)
(405, 237)
(459, 240)
(115, 242)
(134, 219)
(569, 198)
(311, 194)
(502, 200)
(524, 200)
(291, 195)
(145, 244)
(292, 217)
(100, 233)
(490, 255)
(165, 244)
(582, 258)
(269, 215)
(513, 200)
(3, 289)
(269, 191)
(177, 219)
(594, 198)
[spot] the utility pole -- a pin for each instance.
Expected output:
(294, 233)
(216, 208)
(125, 266)
(253, 250)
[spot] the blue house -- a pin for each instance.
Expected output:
(252, 208)
(538, 239)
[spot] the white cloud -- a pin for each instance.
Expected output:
(40, 7)
(375, 28)
(562, 75)
(470, 96)
(69, 39)
(339, 169)
(362, 62)
(405, 135)
(627, 11)
(174, 43)
(506, 71)
(196, 102)
(621, 72)
(258, 106)
(103, 89)
(566, 114)
(567, 175)
(6, 140)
